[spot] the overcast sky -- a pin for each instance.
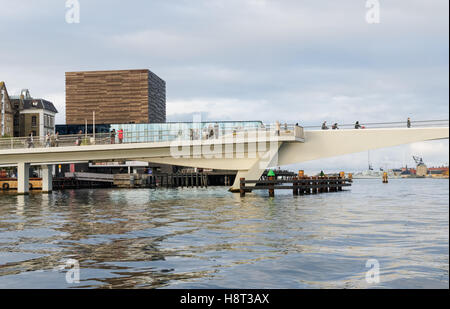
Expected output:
(286, 60)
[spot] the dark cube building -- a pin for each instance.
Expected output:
(122, 96)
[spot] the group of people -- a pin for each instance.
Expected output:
(119, 134)
(209, 132)
(357, 125)
(50, 140)
(278, 127)
(333, 127)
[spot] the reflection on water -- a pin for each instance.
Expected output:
(210, 238)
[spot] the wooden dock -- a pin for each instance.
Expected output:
(298, 185)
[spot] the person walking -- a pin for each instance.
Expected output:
(216, 130)
(408, 123)
(324, 126)
(79, 137)
(47, 140)
(210, 132)
(30, 141)
(120, 135)
(357, 125)
(278, 128)
(113, 136)
(56, 139)
(52, 140)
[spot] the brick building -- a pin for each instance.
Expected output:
(121, 96)
(7, 113)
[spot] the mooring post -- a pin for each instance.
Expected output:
(271, 190)
(341, 180)
(295, 185)
(242, 187)
(314, 184)
(301, 176)
(385, 177)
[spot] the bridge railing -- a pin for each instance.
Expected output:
(385, 125)
(149, 136)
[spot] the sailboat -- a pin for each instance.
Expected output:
(369, 173)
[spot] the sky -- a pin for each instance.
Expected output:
(288, 60)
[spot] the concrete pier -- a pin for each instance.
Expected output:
(47, 178)
(23, 178)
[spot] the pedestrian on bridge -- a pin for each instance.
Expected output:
(56, 140)
(357, 125)
(120, 135)
(334, 126)
(113, 136)
(408, 123)
(278, 128)
(79, 137)
(47, 140)
(324, 126)
(30, 141)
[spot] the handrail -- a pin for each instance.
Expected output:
(187, 134)
(163, 135)
(378, 125)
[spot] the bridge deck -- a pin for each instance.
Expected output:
(159, 138)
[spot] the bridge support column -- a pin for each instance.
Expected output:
(23, 178)
(270, 158)
(47, 178)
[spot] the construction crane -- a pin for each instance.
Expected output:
(418, 160)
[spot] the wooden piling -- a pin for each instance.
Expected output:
(241, 187)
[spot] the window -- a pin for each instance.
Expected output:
(33, 121)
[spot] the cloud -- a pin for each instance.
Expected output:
(295, 61)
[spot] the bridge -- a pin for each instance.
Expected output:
(249, 150)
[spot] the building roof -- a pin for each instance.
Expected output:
(35, 104)
(39, 104)
(27, 102)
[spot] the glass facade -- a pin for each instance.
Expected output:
(161, 132)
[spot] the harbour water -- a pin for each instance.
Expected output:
(210, 238)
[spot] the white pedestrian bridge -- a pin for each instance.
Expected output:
(248, 150)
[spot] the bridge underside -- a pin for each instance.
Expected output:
(249, 158)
